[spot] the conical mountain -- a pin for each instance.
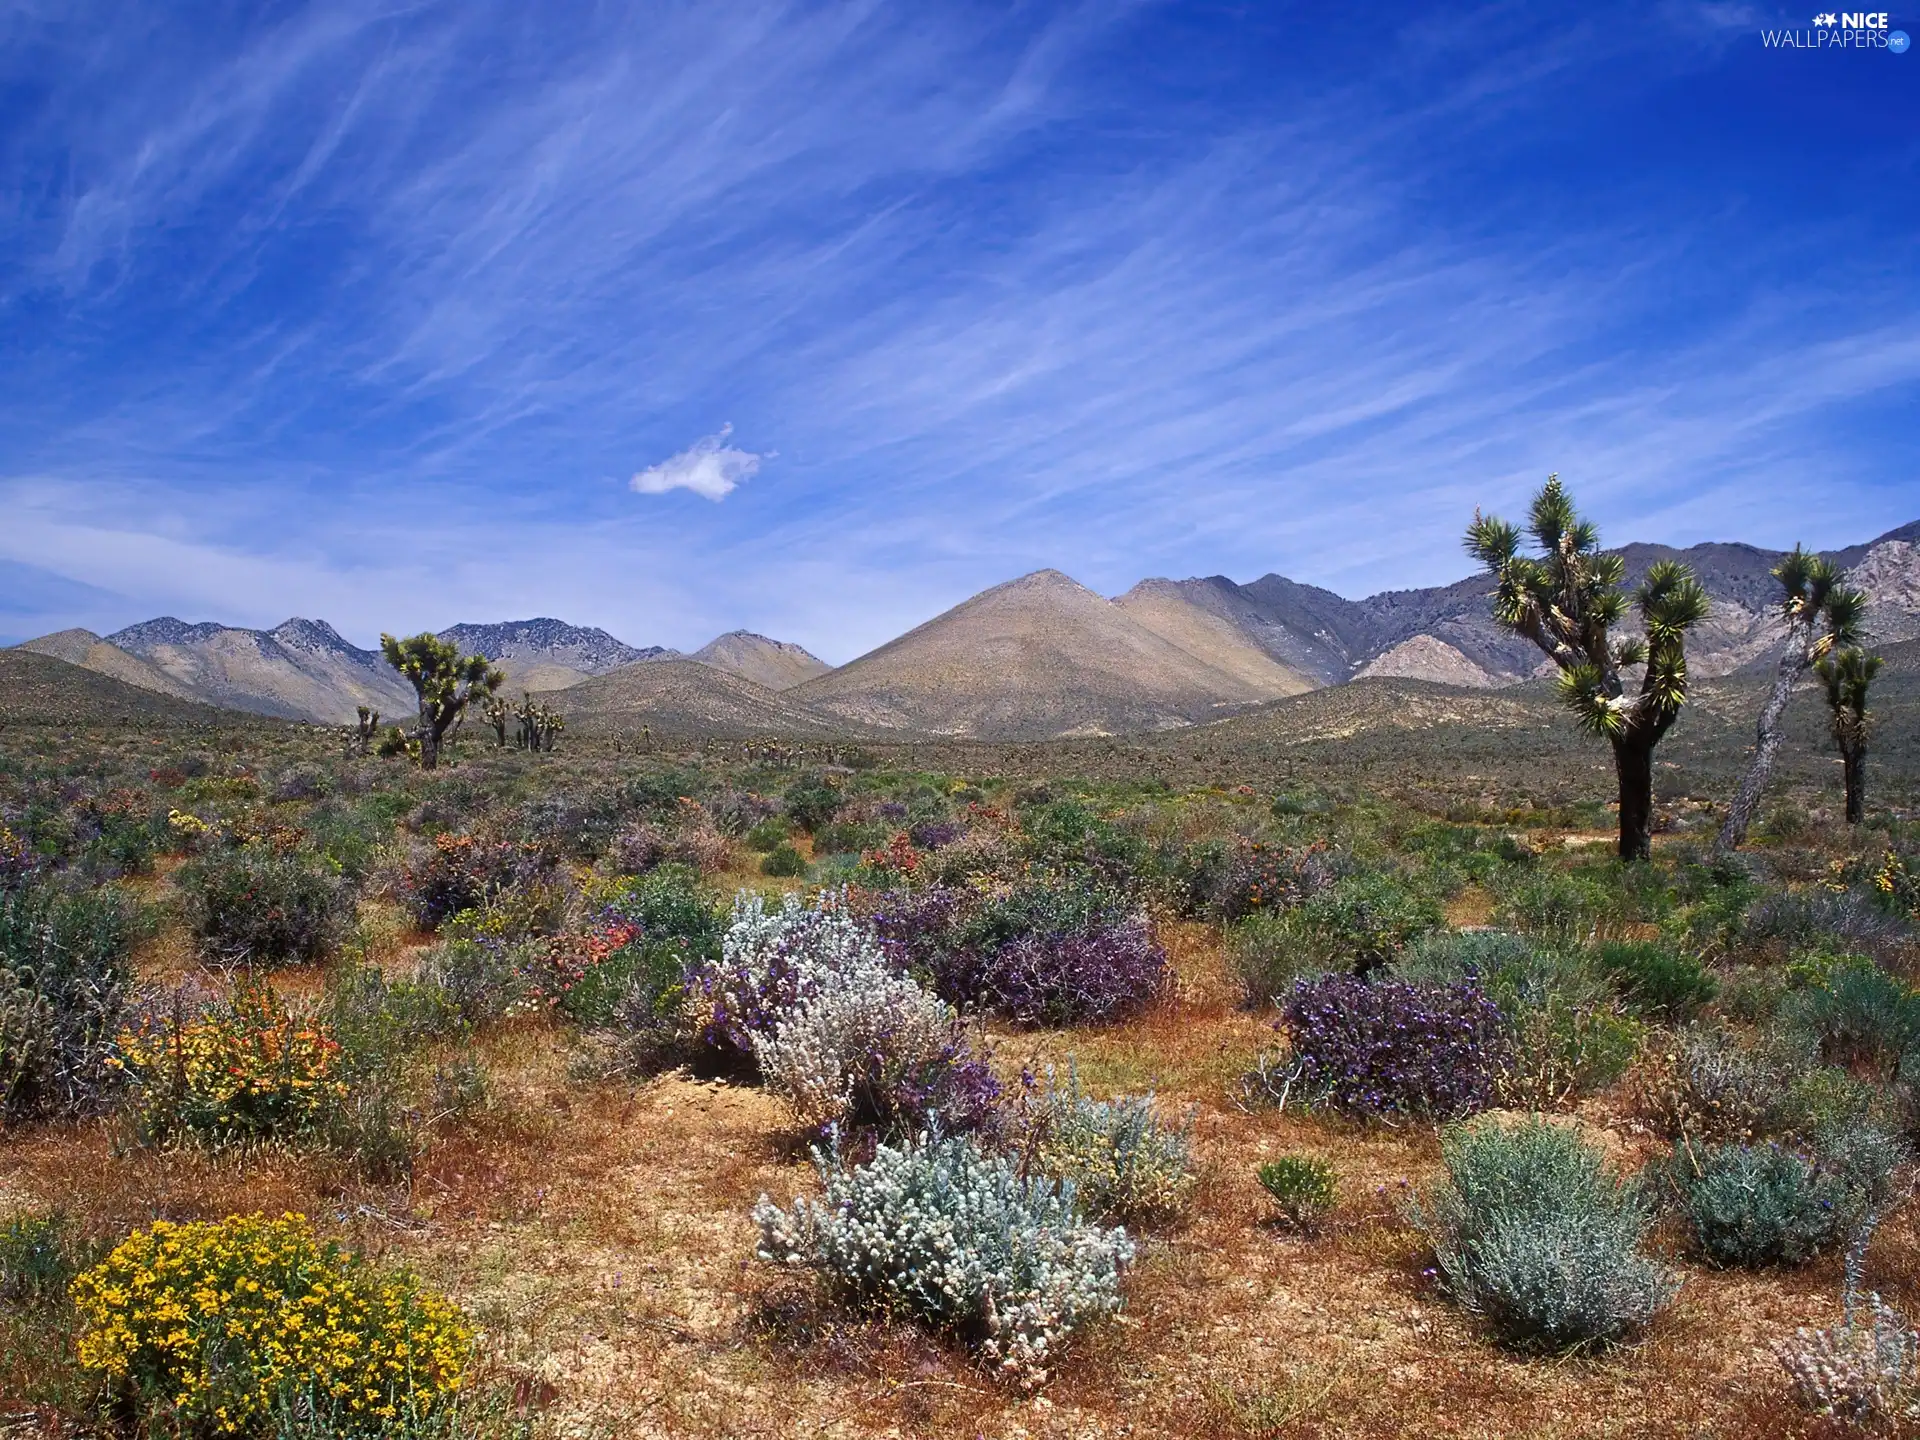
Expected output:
(776, 664)
(1043, 656)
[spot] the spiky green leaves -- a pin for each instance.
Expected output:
(1848, 675)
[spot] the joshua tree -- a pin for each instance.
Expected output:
(1822, 615)
(1848, 675)
(446, 682)
(366, 726)
(497, 711)
(1567, 602)
(539, 724)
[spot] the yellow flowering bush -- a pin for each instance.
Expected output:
(249, 1070)
(220, 1326)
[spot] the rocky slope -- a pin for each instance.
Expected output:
(1039, 657)
(300, 670)
(549, 654)
(776, 664)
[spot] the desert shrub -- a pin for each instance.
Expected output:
(244, 1069)
(769, 835)
(935, 834)
(1039, 953)
(1556, 904)
(1534, 1234)
(65, 975)
(1305, 1188)
(1757, 1205)
(467, 872)
(1656, 979)
(300, 782)
(955, 1237)
(1255, 877)
(740, 812)
(772, 959)
(1702, 1083)
(810, 802)
(1125, 1162)
(1785, 924)
(700, 847)
(476, 981)
(863, 1046)
(1567, 1039)
(784, 862)
(221, 1327)
(1386, 1047)
(258, 907)
(1096, 976)
(671, 904)
(1867, 1368)
(637, 849)
(1366, 920)
(1270, 950)
(39, 1256)
(1859, 1015)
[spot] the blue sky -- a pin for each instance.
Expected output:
(400, 315)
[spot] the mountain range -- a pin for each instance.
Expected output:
(1034, 658)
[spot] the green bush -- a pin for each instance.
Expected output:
(1568, 1040)
(1757, 1205)
(1656, 979)
(1124, 1162)
(784, 861)
(1859, 1015)
(810, 802)
(39, 1256)
(1305, 1188)
(65, 980)
(769, 835)
(1555, 904)
(1534, 1234)
(256, 907)
(1271, 949)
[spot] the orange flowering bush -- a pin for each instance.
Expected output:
(248, 1070)
(222, 1327)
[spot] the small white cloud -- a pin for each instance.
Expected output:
(708, 467)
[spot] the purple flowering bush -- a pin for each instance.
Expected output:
(1386, 1047)
(1035, 954)
(808, 994)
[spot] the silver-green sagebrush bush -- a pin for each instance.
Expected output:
(1124, 1161)
(1536, 1235)
(953, 1236)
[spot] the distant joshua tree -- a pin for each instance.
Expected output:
(497, 711)
(366, 726)
(446, 682)
(539, 723)
(1848, 675)
(1822, 616)
(1567, 602)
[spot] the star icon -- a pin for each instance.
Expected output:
(1829, 18)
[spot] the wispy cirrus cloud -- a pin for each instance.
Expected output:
(709, 467)
(376, 299)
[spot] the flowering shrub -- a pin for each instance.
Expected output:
(771, 959)
(1383, 1047)
(1306, 1189)
(65, 973)
(17, 860)
(222, 1327)
(955, 1237)
(1535, 1235)
(1863, 1369)
(864, 1046)
(1123, 1161)
(1036, 954)
(897, 858)
(1256, 877)
(464, 872)
(1860, 1015)
(246, 1070)
(256, 906)
(935, 834)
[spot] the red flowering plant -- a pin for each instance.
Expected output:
(605, 975)
(897, 859)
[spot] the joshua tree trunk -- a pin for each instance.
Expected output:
(1853, 765)
(1794, 663)
(1633, 763)
(429, 738)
